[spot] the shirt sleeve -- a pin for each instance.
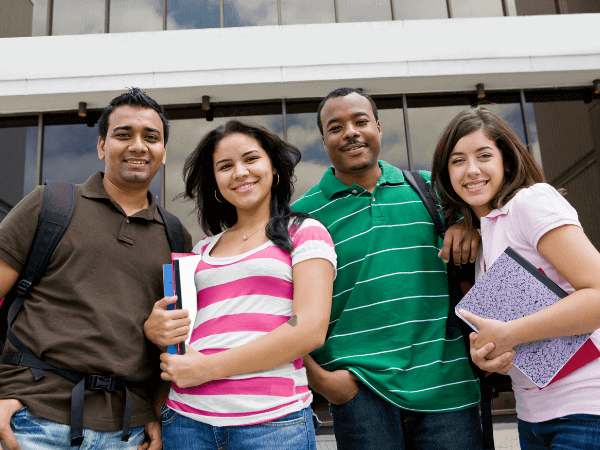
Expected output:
(539, 209)
(18, 229)
(312, 240)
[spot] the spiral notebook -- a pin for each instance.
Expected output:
(513, 288)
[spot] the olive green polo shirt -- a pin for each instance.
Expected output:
(390, 297)
(87, 313)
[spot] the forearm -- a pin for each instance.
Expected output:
(578, 313)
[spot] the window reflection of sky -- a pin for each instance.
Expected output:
(430, 9)
(135, 15)
(242, 13)
(190, 14)
(307, 11)
(78, 17)
(361, 11)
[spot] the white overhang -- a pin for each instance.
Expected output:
(55, 73)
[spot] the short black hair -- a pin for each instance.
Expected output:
(342, 92)
(134, 97)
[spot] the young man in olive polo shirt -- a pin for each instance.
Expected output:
(393, 378)
(86, 314)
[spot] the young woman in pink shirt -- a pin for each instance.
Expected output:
(483, 172)
(264, 287)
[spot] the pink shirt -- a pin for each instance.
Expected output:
(520, 224)
(241, 298)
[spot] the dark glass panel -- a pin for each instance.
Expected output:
(307, 11)
(529, 8)
(243, 13)
(190, 14)
(78, 17)
(17, 165)
(135, 15)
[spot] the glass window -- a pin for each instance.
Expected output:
(361, 11)
(476, 8)
(40, 11)
(432, 9)
(135, 15)
(183, 138)
(190, 14)
(18, 160)
(393, 139)
(243, 13)
(579, 6)
(77, 17)
(427, 124)
(307, 11)
(70, 153)
(529, 8)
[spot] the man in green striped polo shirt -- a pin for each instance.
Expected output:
(393, 378)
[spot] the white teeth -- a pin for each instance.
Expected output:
(244, 186)
(475, 185)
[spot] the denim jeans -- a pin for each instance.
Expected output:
(292, 432)
(573, 432)
(35, 432)
(370, 422)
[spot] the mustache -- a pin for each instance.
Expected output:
(365, 143)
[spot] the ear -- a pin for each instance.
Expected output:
(379, 128)
(164, 158)
(101, 153)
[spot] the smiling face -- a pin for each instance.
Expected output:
(351, 136)
(134, 148)
(476, 169)
(243, 172)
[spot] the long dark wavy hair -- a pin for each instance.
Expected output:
(522, 170)
(201, 185)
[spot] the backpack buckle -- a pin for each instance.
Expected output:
(101, 383)
(23, 287)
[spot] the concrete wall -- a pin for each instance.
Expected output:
(299, 61)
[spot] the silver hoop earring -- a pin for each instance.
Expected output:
(217, 198)
(276, 184)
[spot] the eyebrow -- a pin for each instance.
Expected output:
(454, 152)
(129, 128)
(356, 114)
(229, 159)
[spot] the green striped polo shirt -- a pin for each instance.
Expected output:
(390, 297)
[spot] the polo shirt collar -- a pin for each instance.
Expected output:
(93, 188)
(498, 211)
(330, 185)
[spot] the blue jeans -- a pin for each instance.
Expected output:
(370, 422)
(573, 432)
(35, 432)
(292, 432)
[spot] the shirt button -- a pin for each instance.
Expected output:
(374, 199)
(127, 220)
(354, 191)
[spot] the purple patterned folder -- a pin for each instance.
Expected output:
(513, 288)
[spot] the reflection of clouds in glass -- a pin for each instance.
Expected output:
(361, 11)
(135, 15)
(70, 168)
(307, 11)
(241, 13)
(393, 142)
(78, 17)
(304, 134)
(430, 9)
(307, 175)
(39, 17)
(189, 14)
(183, 139)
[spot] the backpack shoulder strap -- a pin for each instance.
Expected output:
(55, 215)
(174, 230)
(416, 181)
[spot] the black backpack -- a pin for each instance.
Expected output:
(457, 275)
(57, 211)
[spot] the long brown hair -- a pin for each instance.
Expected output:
(522, 170)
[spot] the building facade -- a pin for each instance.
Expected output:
(271, 61)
